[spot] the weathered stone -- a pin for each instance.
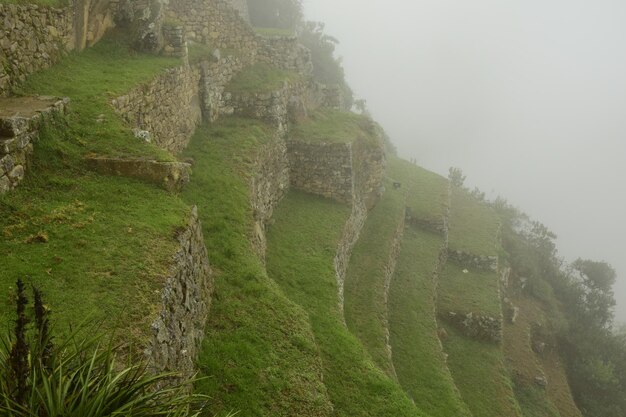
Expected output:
(5, 184)
(477, 326)
(20, 121)
(172, 176)
(16, 174)
(6, 164)
(173, 121)
(484, 263)
(186, 298)
(541, 381)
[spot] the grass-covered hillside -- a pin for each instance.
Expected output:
(99, 247)
(277, 341)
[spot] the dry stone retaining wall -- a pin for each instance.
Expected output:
(349, 237)
(324, 169)
(168, 107)
(172, 176)
(179, 328)
(484, 262)
(219, 24)
(268, 185)
(20, 122)
(32, 38)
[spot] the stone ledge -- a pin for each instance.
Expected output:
(20, 121)
(480, 262)
(476, 326)
(178, 330)
(172, 176)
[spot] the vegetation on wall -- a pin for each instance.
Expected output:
(595, 355)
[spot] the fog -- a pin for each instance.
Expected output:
(527, 97)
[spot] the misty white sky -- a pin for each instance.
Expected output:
(527, 97)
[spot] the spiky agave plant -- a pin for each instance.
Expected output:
(80, 377)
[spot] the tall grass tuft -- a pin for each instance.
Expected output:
(80, 377)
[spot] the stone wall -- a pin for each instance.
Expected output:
(284, 52)
(172, 176)
(324, 169)
(368, 162)
(268, 185)
(390, 269)
(168, 107)
(349, 237)
(468, 260)
(20, 121)
(339, 171)
(242, 7)
(476, 326)
(31, 38)
(179, 328)
(218, 24)
(34, 37)
(215, 23)
(290, 103)
(215, 77)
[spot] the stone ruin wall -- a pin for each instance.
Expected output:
(242, 7)
(168, 108)
(34, 37)
(323, 169)
(18, 133)
(268, 185)
(218, 24)
(178, 330)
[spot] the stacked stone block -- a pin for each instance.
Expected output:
(20, 121)
(168, 107)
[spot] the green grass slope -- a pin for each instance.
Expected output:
(427, 192)
(99, 247)
(417, 353)
(365, 306)
(259, 354)
(301, 248)
(480, 374)
(473, 225)
(478, 367)
(91, 79)
(472, 291)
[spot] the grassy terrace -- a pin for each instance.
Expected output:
(417, 354)
(474, 291)
(556, 400)
(275, 32)
(301, 247)
(473, 225)
(334, 126)
(91, 79)
(480, 375)
(99, 247)
(260, 78)
(259, 354)
(427, 192)
(364, 302)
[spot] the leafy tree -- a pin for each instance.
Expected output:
(456, 177)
